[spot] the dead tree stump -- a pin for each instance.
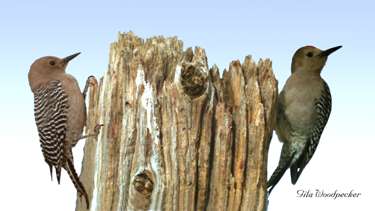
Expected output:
(176, 135)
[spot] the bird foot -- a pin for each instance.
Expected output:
(97, 129)
(91, 81)
(95, 134)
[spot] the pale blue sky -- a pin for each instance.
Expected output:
(227, 30)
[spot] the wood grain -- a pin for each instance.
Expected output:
(177, 135)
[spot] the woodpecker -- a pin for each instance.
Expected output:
(60, 114)
(303, 109)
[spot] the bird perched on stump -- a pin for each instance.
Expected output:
(303, 109)
(60, 114)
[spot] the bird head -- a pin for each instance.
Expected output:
(311, 59)
(47, 68)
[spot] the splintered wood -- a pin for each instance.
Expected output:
(176, 135)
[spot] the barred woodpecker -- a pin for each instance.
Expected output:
(60, 114)
(303, 109)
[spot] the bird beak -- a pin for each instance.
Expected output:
(329, 51)
(68, 58)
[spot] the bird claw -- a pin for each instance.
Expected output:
(97, 129)
(92, 80)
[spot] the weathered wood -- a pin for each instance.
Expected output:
(176, 135)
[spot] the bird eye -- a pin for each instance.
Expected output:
(309, 54)
(52, 62)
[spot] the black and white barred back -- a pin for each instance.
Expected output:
(323, 106)
(51, 117)
(50, 109)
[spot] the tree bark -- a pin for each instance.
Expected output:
(176, 135)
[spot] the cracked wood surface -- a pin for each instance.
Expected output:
(176, 135)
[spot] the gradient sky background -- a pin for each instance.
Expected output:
(227, 31)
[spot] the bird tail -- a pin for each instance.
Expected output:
(284, 163)
(77, 183)
(295, 172)
(297, 167)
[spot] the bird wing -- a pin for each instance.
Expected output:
(322, 106)
(50, 109)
